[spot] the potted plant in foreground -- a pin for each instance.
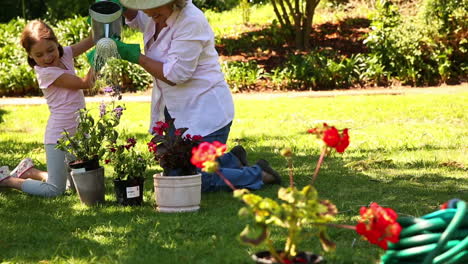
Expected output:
(435, 238)
(129, 172)
(87, 146)
(178, 187)
(295, 210)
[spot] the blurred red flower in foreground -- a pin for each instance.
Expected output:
(332, 137)
(204, 156)
(378, 225)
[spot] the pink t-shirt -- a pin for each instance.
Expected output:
(63, 102)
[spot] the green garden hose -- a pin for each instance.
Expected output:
(440, 237)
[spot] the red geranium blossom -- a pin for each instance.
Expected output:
(378, 225)
(333, 139)
(204, 156)
(344, 141)
(331, 136)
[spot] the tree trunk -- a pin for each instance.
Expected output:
(297, 19)
(299, 39)
(309, 17)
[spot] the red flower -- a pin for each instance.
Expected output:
(204, 156)
(378, 225)
(152, 147)
(220, 148)
(178, 132)
(131, 142)
(344, 141)
(107, 161)
(444, 206)
(160, 127)
(331, 137)
(198, 138)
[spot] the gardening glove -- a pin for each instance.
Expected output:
(90, 57)
(128, 52)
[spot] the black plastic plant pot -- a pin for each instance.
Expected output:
(88, 165)
(129, 192)
(265, 257)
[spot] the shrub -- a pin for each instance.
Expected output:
(242, 75)
(216, 5)
(418, 50)
(317, 70)
(51, 9)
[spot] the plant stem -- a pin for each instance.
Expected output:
(294, 228)
(319, 163)
(291, 176)
(351, 227)
(228, 183)
(273, 251)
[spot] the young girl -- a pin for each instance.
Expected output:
(62, 90)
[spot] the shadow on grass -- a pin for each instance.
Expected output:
(36, 229)
(13, 152)
(2, 113)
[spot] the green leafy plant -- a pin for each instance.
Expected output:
(317, 70)
(296, 208)
(89, 141)
(242, 75)
(128, 163)
(299, 209)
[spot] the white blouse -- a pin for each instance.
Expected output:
(201, 99)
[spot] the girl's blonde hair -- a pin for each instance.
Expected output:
(34, 31)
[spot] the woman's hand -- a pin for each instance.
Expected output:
(128, 52)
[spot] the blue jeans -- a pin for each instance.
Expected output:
(230, 166)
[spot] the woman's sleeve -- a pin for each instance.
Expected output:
(185, 50)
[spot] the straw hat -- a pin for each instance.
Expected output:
(144, 4)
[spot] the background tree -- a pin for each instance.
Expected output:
(296, 16)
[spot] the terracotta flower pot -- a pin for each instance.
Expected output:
(177, 193)
(264, 257)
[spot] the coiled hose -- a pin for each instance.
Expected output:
(435, 238)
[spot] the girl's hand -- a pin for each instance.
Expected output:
(90, 78)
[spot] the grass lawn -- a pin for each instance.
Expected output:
(407, 152)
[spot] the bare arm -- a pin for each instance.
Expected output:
(70, 81)
(82, 46)
(154, 68)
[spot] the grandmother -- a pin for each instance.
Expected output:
(188, 83)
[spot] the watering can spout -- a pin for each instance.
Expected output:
(106, 20)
